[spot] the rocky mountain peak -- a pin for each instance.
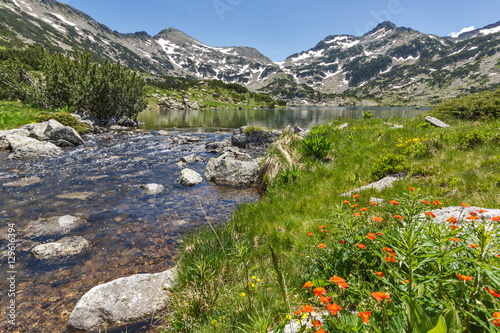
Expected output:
(386, 25)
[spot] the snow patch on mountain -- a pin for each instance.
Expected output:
(490, 31)
(63, 19)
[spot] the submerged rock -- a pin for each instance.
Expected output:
(121, 301)
(189, 177)
(53, 225)
(227, 169)
(152, 188)
(64, 247)
(24, 182)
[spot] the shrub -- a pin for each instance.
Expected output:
(316, 146)
(388, 164)
(483, 105)
(65, 119)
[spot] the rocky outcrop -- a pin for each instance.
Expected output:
(189, 177)
(172, 103)
(53, 225)
(378, 185)
(232, 169)
(436, 122)
(121, 301)
(245, 136)
(152, 188)
(64, 247)
(26, 147)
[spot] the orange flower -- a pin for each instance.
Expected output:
(472, 218)
(394, 202)
(307, 308)
(308, 284)
(377, 219)
(373, 203)
(495, 218)
(473, 246)
(492, 292)
(322, 246)
(454, 227)
(496, 315)
(357, 214)
(345, 202)
(496, 323)
(411, 188)
(380, 233)
(452, 220)
(464, 277)
(437, 203)
(380, 296)
(355, 206)
(371, 236)
(333, 308)
(317, 323)
(464, 205)
(339, 281)
(430, 214)
(398, 217)
(361, 246)
(365, 316)
(481, 211)
(390, 257)
(387, 249)
(321, 331)
(319, 291)
(342, 242)
(379, 273)
(298, 312)
(322, 227)
(325, 300)
(356, 196)
(454, 239)
(309, 234)
(426, 202)
(364, 209)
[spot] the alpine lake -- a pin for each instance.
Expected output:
(130, 230)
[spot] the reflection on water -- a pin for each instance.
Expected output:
(131, 232)
(305, 117)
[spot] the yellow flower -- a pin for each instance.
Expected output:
(304, 315)
(242, 294)
(253, 285)
(259, 280)
(253, 277)
(288, 317)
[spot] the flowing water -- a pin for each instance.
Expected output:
(131, 232)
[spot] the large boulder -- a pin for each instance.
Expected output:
(4, 143)
(245, 136)
(65, 134)
(189, 177)
(53, 225)
(25, 147)
(232, 169)
(126, 122)
(124, 300)
(41, 131)
(64, 247)
(55, 132)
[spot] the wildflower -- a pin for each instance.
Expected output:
(387, 249)
(333, 308)
(464, 205)
(379, 273)
(473, 246)
(309, 234)
(322, 227)
(454, 227)
(298, 312)
(398, 217)
(411, 188)
(437, 203)
(304, 315)
(365, 316)
(288, 317)
(472, 218)
(322, 246)
(496, 315)
(343, 242)
(380, 296)
(346, 202)
(426, 202)
(364, 209)
(308, 284)
(394, 202)
(356, 196)
(454, 239)
(361, 246)
(357, 214)
(214, 322)
(317, 323)
(495, 218)
(319, 291)
(492, 292)
(242, 294)
(307, 308)
(377, 219)
(339, 281)
(253, 285)
(371, 236)
(464, 277)
(452, 220)
(430, 214)
(481, 211)
(325, 300)
(254, 277)
(373, 203)
(355, 206)
(380, 233)
(390, 257)
(321, 331)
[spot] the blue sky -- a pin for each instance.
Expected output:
(280, 28)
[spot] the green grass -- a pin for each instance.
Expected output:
(15, 114)
(459, 164)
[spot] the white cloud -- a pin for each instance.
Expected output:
(456, 34)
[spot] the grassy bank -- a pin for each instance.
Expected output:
(230, 280)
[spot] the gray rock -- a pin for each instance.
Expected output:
(189, 158)
(343, 126)
(126, 122)
(53, 225)
(111, 122)
(436, 122)
(118, 128)
(241, 138)
(189, 177)
(67, 134)
(4, 143)
(24, 182)
(152, 188)
(121, 301)
(25, 147)
(64, 247)
(379, 185)
(41, 131)
(172, 103)
(163, 133)
(460, 213)
(228, 170)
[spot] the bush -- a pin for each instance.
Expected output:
(316, 146)
(483, 105)
(388, 164)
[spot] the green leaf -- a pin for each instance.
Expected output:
(440, 326)
(419, 320)
(452, 320)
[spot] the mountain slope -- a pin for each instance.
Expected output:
(390, 64)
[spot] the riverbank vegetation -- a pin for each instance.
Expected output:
(361, 264)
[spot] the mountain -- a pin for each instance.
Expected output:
(390, 64)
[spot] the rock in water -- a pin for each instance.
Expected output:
(228, 170)
(189, 177)
(124, 300)
(24, 147)
(126, 122)
(53, 225)
(152, 188)
(436, 122)
(64, 247)
(66, 133)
